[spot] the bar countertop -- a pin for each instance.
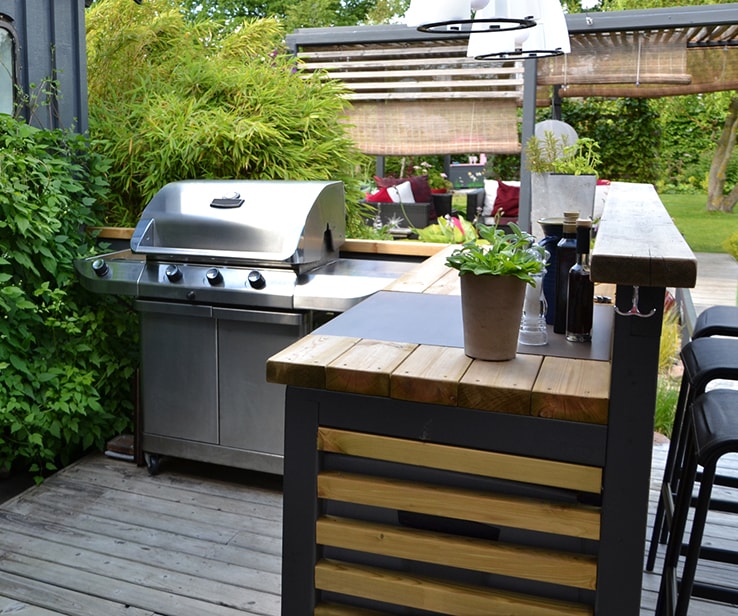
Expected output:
(406, 342)
(418, 478)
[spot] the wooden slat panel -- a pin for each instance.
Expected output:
(500, 386)
(399, 68)
(575, 570)
(437, 96)
(416, 84)
(430, 374)
(333, 609)
(302, 364)
(572, 389)
(516, 512)
(366, 367)
(382, 52)
(421, 592)
(425, 274)
(394, 247)
(471, 461)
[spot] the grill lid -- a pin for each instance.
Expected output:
(269, 222)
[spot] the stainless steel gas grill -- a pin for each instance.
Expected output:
(226, 274)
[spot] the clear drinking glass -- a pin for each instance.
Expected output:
(533, 324)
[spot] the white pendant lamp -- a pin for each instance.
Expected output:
(423, 12)
(549, 37)
(481, 44)
(443, 16)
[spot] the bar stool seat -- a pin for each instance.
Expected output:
(716, 321)
(704, 359)
(712, 432)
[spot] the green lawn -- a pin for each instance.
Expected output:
(704, 231)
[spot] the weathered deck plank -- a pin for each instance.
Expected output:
(104, 537)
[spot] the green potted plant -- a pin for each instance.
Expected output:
(441, 187)
(437, 180)
(494, 270)
(563, 175)
(554, 154)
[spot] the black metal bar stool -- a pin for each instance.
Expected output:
(711, 433)
(716, 321)
(704, 359)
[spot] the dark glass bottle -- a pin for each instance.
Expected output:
(566, 256)
(580, 302)
(549, 244)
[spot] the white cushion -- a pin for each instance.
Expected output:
(490, 194)
(402, 193)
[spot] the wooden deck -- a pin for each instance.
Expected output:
(102, 537)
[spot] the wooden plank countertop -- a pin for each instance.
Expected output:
(637, 244)
(531, 384)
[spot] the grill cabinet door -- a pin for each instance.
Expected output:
(179, 371)
(252, 410)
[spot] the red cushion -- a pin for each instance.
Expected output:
(507, 200)
(418, 183)
(381, 196)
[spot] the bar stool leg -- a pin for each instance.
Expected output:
(670, 481)
(695, 539)
(667, 591)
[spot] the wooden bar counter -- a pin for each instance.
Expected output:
(419, 481)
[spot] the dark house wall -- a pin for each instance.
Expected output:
(51, 46)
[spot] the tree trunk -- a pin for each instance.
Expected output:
(716, 200)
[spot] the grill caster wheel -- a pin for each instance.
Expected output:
(153, 463)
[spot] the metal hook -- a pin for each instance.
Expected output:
(634, 312)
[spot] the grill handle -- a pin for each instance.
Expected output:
(226, 202)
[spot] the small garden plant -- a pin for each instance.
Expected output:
(498, 253)
(553, 154)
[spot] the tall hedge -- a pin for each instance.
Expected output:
(177, 100)
(67, 359)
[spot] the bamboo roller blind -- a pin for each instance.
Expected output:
(427, 97)
(646, 64)
(424, 97)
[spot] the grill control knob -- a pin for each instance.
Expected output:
(173, 273)
(100, 268)
(214, 276)
(256, 280)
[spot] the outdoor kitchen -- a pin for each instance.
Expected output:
(310, 436)
(222, 282)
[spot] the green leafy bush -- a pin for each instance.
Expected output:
(627, 132)
(66, 362)
(175, 100)
(731, 245)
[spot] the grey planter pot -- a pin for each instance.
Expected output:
(552, 194)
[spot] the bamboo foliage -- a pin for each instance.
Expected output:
(172, 100)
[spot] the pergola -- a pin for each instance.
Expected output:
(415, 93)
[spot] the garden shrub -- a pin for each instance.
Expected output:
(627, 132)
(66, 359)
(178, 100)
(731, 246)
